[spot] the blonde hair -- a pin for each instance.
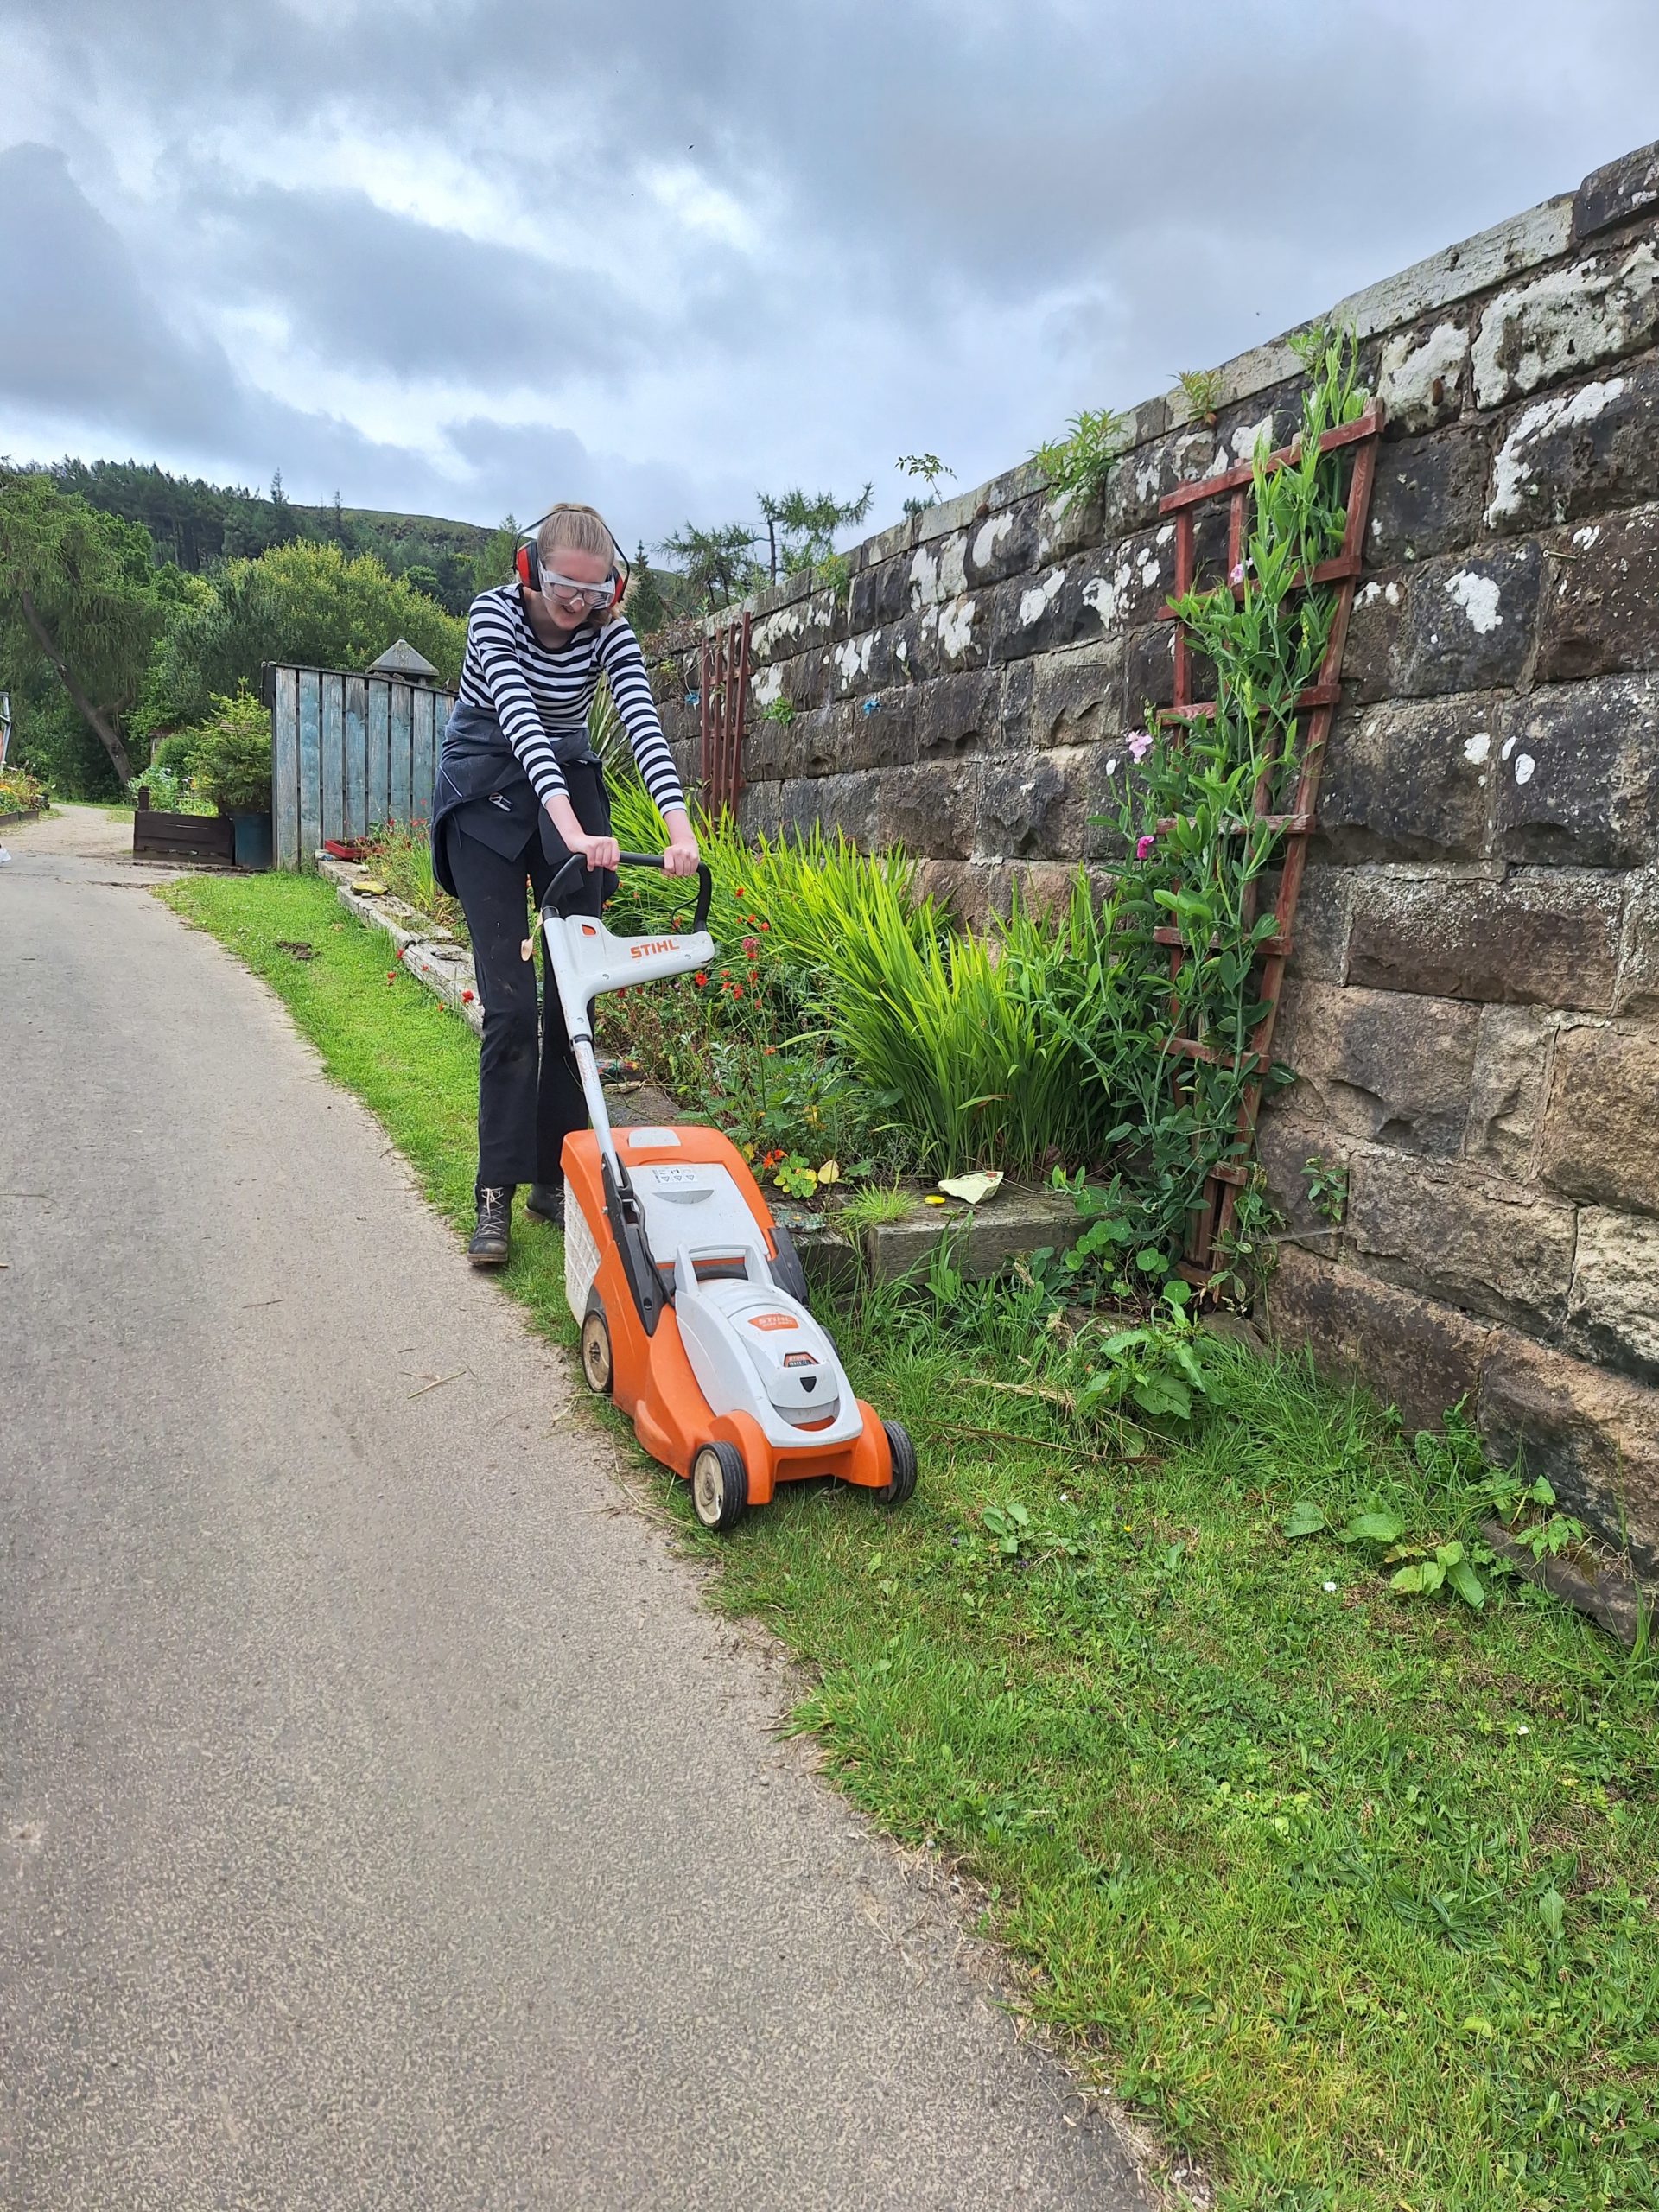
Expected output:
(584, 530)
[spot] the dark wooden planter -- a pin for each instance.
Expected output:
(158, 835)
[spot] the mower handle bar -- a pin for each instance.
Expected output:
(575, 868)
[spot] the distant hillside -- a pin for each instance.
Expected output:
(196, 524)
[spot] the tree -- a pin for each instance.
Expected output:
(801, 528)
(421, 576)
(304, 603)
(645, 606)
(719, 564)
(77, 593)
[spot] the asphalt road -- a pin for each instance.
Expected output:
(382, 1822)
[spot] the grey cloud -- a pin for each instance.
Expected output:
(371, 288)
(975, 217)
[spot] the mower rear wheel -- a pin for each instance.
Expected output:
(596, 1353)
(720, 1487)
(904, 1465)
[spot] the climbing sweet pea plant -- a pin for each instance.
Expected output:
(1195, 845)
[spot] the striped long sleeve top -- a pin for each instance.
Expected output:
(541, 696)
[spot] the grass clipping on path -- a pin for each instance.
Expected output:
(1358, 1897)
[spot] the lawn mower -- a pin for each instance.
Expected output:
(691, 1300)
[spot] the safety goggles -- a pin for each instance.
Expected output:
(585, 594)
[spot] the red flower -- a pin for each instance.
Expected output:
(466, 998)
(391, 975)
(765, 925)
(737, 990)
(739, 891)
(701, 978)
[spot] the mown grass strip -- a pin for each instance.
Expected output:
(1359, 1898)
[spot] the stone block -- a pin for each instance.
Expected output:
(1506, 1088)
(1148, 670)
(1574, 454)
(1616, 193)
(1144, 474)
(1459, 623)
(1599, 610)
(983, 1240)
(1637, 990)
(956, 715)
(929, 809)
(1030, 806)
(1411, 1351)
(1549, 938)
(1077, 696)
(1008, 544)
(1411, 780)
(880, 592)
(760, 809)
(1578, 775)
(1613, 1314)
(1488, 1247)
(1320, 927)
(963, 887)
(1284, 1146)
(1378, 1065)
(845, 804)
(1456, 272)
(863, 664)
(939, 570)
(1565, 320)
(1593, 1436)
(1601, 1124)
(1422, 373)
(1429, 495)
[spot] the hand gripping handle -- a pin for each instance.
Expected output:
(705, 881)
(575, 868)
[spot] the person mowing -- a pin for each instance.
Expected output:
(519, 792)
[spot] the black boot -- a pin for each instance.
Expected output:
(546, 1203)
(488, 1244)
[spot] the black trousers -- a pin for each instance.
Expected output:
(528, 1103)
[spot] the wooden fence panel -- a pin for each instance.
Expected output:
(401, 761)
(285, 768)
(334, 757)
(348, 754)
(311, 723)
(422, 757)
(380, 756)
(355, 732)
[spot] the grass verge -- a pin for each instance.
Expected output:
(1356, 1897)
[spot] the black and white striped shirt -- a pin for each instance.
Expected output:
(541, 696)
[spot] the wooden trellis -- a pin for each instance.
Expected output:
(1211, 1222)
(721, 696)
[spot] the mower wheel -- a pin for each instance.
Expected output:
(904, 1465)
(720, 1487)
(596, 1353)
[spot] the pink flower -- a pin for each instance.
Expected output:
(1138, 743)
(1236, 576)
(1143, 846)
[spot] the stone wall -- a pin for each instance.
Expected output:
(1473, 1013)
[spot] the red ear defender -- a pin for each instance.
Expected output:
(527, 563)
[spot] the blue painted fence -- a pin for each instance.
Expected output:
(348, 754)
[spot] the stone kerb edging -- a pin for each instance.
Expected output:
(431, 955)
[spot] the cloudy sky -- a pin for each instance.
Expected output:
(468, 257)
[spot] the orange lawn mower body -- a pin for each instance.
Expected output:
(691, 1300)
